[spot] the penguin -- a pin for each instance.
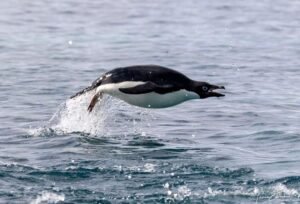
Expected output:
(149, 86)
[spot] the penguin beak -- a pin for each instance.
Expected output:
(211, 92)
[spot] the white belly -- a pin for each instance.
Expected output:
(148, 100)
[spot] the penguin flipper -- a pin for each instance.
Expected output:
(149, 87)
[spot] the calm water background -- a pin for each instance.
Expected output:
(243, 148)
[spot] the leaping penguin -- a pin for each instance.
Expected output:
(149, 86)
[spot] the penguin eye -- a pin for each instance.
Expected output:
(204, 88)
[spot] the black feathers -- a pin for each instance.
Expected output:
(148, 73)
(159, 79)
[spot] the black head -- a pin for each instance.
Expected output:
(205, 90)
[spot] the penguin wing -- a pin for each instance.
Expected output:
(150, 87)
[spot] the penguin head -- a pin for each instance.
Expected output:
(205, 90)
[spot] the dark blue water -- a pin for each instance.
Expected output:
(243, 148)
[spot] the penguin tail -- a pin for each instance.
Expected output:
(94, 85)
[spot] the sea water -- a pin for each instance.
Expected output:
(242, 148)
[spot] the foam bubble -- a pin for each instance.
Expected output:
(166, 185)
(240, 191)
(148, 167)
(281, 190)
(48, 197)
(278, 191)
(181, 193)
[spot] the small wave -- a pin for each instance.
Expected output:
(48, 197)
(207, 171)
(270, 193)
(41, 131)
(281, 190)
(278, 191)
(237, 192)
(15, 167)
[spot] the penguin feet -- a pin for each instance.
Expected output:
(94, 100)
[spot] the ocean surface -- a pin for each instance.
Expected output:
(242, 148)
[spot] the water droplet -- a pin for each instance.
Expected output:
(166, 185)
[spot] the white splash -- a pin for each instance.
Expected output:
(281, 190)
(148, 167)
(109, 117)
(180, 194)
(74, 117)
(48, 197)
